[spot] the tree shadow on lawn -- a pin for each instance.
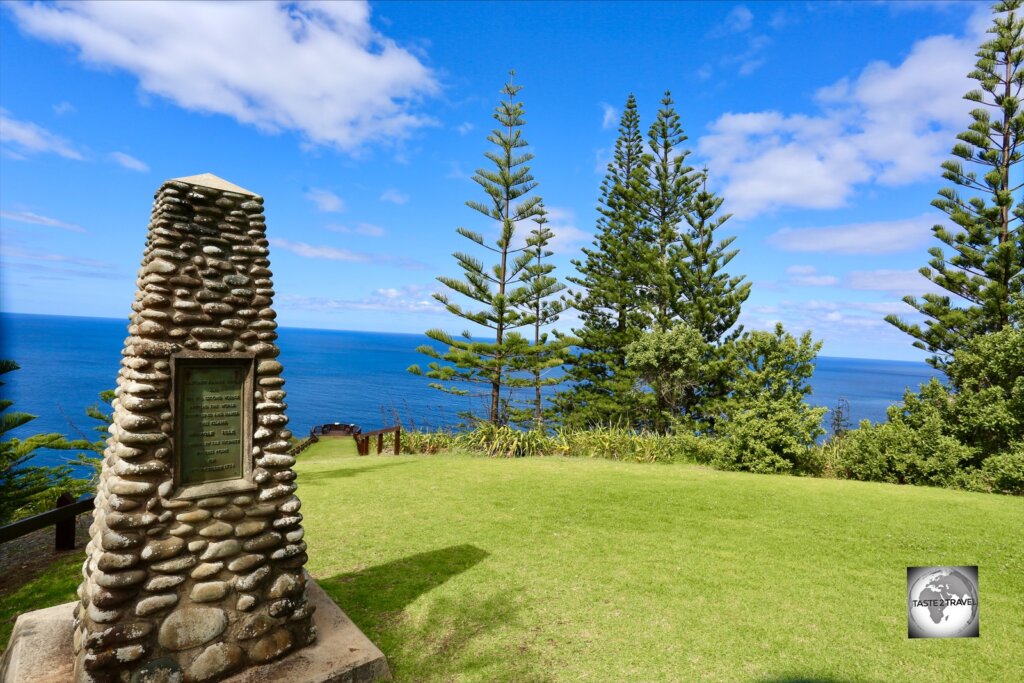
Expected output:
(344, 472)
(453, 636)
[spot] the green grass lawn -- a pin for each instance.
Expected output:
(472, 569)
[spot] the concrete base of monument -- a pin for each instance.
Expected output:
(40, 650)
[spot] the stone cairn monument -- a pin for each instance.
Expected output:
(194, 571)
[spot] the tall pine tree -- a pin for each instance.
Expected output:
(670, 185)
(982, 264)
(712, 299)
(499, 290)
(607, 296)
(711, 303)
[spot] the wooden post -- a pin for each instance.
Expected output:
(64, 535)
(398, 441)
(380, 443)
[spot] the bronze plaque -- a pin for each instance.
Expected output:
(211, 412)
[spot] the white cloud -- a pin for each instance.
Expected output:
(62, 108)
(365, 229)
(36, 219)
(10, 252)
(129, 162)
(881, 237)
(704, 72)
(407, 299)
(892, 124)
(319, 251)
(750, 66)
(748, 59)
(394, 196)
(855, 326)
(455, 172)
(464, 127)
(893, 282)
(24, 138)
(739, 19)
(808, 276)
(609, 115)
(320, 69)
(325, 200)
(780, 19)
(329, 253)
(568, 238)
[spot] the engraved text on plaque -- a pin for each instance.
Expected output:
(211, 412)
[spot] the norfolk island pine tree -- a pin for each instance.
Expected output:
(982, 264)
(500, 291)
(608, 295)
(545, 353)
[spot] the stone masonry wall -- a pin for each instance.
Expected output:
(194, 590)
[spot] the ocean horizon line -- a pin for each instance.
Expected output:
(403, 334)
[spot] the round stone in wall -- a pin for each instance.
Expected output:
(191, 626)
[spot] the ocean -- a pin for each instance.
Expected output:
(332, 376)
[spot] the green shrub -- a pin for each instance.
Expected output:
(771, 436)
(705, 450)
(982, 405)
(1004, 473)
(764, 423)
(27, 489)
(900, 453)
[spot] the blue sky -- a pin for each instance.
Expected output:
(823, 126)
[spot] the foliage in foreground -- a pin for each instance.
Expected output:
(25, 489)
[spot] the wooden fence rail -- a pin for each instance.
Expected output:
(304, 444)
(363, 440)
(62, 517)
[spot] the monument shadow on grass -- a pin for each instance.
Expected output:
(388, 588)
(444, 641)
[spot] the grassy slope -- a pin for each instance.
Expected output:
(56, 585)
(469, 569)
(552, 569)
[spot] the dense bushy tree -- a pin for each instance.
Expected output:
(982, 261)
(982, 404)
(671, 363)
(499, 290)
(765, 419)
(665, 200)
